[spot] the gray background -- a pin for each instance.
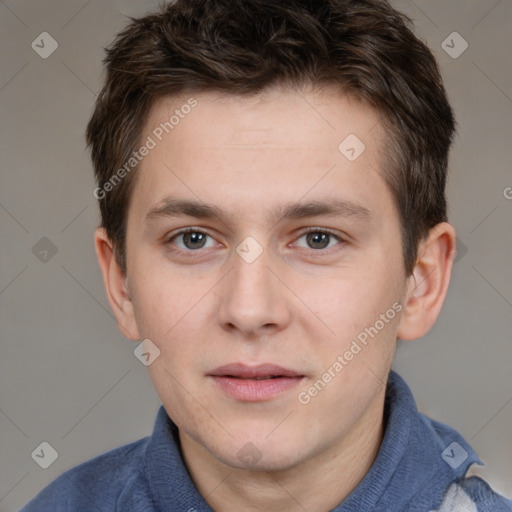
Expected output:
(68, 377)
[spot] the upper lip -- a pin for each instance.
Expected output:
(243, 371)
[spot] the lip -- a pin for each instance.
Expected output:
(254, 383)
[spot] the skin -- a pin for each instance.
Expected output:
(298, 305)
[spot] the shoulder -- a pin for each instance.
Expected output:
(484, 496)
(95, 485)
(473, 495)
(444, 459)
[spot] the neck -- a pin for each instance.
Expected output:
(317, 484)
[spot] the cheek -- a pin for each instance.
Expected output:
(163, 301)
(352, 367)
(343, 306)
(362, 321)
(178, 316)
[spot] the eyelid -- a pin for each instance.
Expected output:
(316, 229)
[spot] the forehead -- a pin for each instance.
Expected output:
(278, 117)
(260, 151)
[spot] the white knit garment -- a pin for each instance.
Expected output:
(456, 500)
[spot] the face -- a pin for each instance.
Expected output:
(276, 312)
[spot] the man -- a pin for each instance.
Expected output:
(271, 183)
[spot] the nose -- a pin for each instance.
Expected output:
(253, 300)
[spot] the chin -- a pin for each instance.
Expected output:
(260, 453)
(263, 461)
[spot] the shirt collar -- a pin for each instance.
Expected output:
(409, 466)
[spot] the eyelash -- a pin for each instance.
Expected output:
(305, 232)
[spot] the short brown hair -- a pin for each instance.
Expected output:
(364, 47)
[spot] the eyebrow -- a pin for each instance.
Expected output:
(333, 207)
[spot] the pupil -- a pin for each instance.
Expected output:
(318, 238)
(194, 238)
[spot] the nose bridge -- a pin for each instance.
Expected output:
(251, 298)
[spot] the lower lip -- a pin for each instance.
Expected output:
(250, 390)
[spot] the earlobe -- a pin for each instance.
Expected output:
(116, 287)
(428, 283)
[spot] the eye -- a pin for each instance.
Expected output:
(192, 238)
(320, 238)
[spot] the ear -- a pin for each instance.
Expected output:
(428, 283)
(115, 285)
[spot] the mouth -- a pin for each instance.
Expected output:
(254, 383)
(255, 378)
